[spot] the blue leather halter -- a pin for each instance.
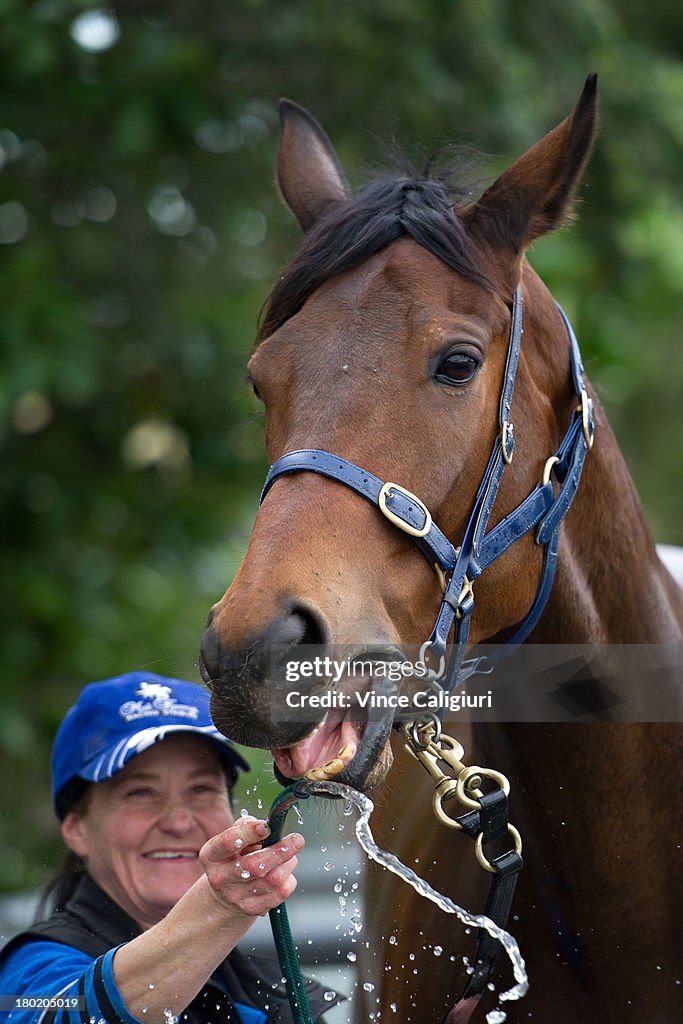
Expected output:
(542, 509)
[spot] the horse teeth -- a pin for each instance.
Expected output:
(332, 767)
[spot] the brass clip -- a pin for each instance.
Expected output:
(433, 749)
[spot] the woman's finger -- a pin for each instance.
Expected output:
(259, 863)
(234, 841)
(258, 885)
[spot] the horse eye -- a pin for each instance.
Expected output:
(256, 391)
(457, 368)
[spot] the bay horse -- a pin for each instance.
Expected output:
(385, 343)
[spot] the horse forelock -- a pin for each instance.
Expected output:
(387, 209)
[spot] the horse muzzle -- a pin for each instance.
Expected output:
(303, 700)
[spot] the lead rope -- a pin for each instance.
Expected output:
(279, 919)
(485, 820)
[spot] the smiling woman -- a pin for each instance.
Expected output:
(160, 882)
(141, 832)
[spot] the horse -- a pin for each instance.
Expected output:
(386, 346)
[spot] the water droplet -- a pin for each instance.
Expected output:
(323, 849)
(262, 867)
(245, 874)
(338, 887)
(368, 986)
(348, 808)
(244, 813)
(299, 815)
(496, 1017)
(352, 957)
(329, 996)
(411, 956)
(393, 1007)
(328, 865)
(151, 985)
(239, 843)
(170, 1016)
(438, 950)
(392, 940)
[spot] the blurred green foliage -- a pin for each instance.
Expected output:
(140, 233)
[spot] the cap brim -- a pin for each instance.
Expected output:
(108, 763)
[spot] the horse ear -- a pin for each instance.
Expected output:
(535, 195)
(308, 172)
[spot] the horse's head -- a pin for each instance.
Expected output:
(385, 342)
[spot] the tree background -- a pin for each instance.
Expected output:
(140, 233)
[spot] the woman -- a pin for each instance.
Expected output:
(161, 882)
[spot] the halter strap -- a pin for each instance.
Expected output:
(388, 497)
(542, 508)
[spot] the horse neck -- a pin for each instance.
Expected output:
(610, 585)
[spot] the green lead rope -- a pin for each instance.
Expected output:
(279, 919)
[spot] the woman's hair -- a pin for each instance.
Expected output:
(60, 888)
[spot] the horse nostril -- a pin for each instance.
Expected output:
(300, 627)
(209, 655)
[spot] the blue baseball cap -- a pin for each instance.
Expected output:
(116, 719)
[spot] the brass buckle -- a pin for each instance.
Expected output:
(548, 468)
(584, 409)
(396, 520)
(467, 591)
(441, 576)
(507, 441)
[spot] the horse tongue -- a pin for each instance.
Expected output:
(321, 748)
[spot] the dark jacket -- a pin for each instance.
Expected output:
(92, 923)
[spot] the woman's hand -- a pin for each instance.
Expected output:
(244, 876)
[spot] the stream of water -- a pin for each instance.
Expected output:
(389, 861)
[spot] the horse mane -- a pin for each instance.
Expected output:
(390, 207)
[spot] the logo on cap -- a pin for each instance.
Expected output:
(156, 700)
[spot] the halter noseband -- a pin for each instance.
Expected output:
(541, 509)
